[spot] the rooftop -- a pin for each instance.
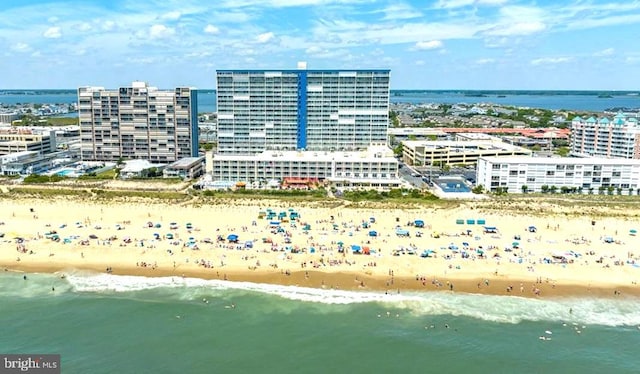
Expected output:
(561, 160)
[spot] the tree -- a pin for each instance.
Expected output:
(525, 188)
(544, 188)
(553, 189)
(610, 190)
(619, 191)
(479, 189)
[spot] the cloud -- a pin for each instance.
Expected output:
(550, 60)
(171, 16)
(52, 33)
(211, 29)
(484, 61)
(452, 4)
(604, 52)
(21, 47)
(399, 11)
(160, 31)
(419, 62)
(428, 45)
(265, 37)
(514, 29)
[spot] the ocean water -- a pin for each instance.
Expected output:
(124, 324)
(553, 100)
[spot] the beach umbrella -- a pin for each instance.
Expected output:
(340, 243)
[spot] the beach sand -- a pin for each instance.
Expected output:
(568, 254)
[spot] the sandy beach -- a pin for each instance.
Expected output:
(531, 251)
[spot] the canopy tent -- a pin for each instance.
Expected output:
(402, 232)
(232, 238)
(373, 233)
(490, 229)
(356, 248)
(418, 223)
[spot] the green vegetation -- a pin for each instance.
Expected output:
(207, 146)
(305, 195)
(39, 179)
(33, 120)
(105, 175)
(396, 195)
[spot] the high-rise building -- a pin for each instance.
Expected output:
(618, 137)
(326, 125)
(314, 110)
(138, 122)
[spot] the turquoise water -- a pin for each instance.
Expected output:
(65, 172)
(109, 324)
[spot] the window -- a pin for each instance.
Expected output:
(550, 172)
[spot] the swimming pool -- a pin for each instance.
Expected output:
(65, 172)
(453, 185)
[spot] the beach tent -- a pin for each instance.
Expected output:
(418, 223)
(232, 238)
(490, 229)
(306, 227)
(426, 253)
(532, 229)
(372, 219)
(248, 244)
(373, 233)
(356, 248)
(402, 232)
(608, 239)
(169, 236)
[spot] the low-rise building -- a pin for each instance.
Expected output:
(584, 175)
(20, 140)
(32, 162)
(374, 168)
(140, 169)
(450, 152)
(186, 168)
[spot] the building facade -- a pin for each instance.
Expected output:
(20, 140)
(313, 110)
(138, 122)
(451, 152)
(374, 168)
(618, 137)
(584, 175)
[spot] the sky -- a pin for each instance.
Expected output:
(427, 44)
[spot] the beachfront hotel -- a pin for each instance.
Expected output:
(618, 137)
(138, 122)
(14, 140)
(304, 123)
(538, 174)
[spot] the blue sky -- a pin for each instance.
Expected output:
(429, 44)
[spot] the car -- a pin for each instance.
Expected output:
(416, 175)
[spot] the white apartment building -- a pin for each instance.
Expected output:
(618, 137)
(374, 168)
(138, 122)
(586, 175)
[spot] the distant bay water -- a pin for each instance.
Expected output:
(595, 101)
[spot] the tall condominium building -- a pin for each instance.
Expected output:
(614, 138)
(138, 122)
(314, 110)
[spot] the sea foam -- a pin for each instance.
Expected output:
(500, 309)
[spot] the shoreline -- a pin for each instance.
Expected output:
(359, 283)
